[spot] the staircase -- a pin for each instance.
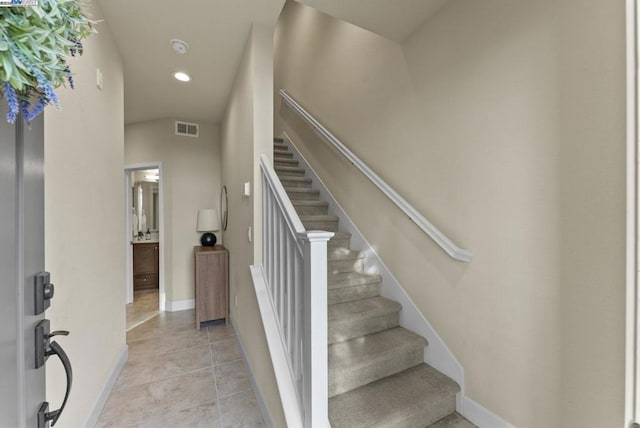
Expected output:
(377, 377)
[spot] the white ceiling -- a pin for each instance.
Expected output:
(393, 19)
(216, 31)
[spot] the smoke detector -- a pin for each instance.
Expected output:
(180, 47)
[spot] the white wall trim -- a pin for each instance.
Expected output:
(266, 414)
(436, 354)
(96, 410)
(281, 369)
(483, 417)
(632, 334)
(180, 305)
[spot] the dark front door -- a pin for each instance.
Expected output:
(22, 382)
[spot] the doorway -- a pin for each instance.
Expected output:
(144, 242)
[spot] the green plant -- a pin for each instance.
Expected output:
(34, 45)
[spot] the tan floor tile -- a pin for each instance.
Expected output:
(144, 306)
(232, 378)
(173, 342)
(137, 371)
(124, 406)
(226, 351)
(145, 330)
(181, 361)
(180, 392)
(142, 347)
(202, 416)
(220, 332)
(240, 411)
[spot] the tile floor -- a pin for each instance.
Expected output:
(178, 376)
(144, 306)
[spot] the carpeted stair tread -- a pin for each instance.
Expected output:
(369, 358)
(343, 254)
(295, 181)
(301, 190)
(284, 161)
(362, 309)
(342, 235)
(280, 146)
(278, 139)
(416, 397)
(310, 203)
(318, 217)
(454, 420)
(287, 171)
(351, 279)
(282, 153)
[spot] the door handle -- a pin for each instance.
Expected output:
(44, 415)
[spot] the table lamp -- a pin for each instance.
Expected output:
(208, 222)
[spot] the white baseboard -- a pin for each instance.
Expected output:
(179, 305)
(266, 414)
(96, 410)
(482, 417)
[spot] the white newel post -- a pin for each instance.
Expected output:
(316, 376)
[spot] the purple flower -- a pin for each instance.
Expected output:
(12, 102)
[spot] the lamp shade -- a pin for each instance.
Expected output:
(208, 220)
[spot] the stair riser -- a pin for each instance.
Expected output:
(311, 209)
(335, 243)
(284, 174)
(431, 413)
(299, 196)
(295, 183)
(348, 294)
(280, 146)
(341, 381)
(281, 154)
(338, 266)
(339, 332)
(284, 162)
(329, 226)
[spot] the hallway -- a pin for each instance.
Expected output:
(178, 376)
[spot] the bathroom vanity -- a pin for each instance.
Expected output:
(145, 264)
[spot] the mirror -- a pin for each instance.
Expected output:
(145, 209)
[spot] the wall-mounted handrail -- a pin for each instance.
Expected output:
(433, 232)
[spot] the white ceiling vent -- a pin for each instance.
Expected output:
(187, 129)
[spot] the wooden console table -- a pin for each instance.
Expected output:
(212, 283)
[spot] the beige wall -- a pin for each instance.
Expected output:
(247, 132)
(191, 180)
(503, 123)
(84, 226)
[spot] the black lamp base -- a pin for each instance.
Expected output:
(208, 239)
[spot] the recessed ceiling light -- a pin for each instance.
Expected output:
(182, 76)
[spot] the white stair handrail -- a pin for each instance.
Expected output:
(291, 287)
(433, 232)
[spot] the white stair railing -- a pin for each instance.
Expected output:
(295, 274)
(433, 232)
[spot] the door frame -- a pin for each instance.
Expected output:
(128, 169)
(632, 351)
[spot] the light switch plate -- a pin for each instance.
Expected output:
(99, 78)
(246, 189)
